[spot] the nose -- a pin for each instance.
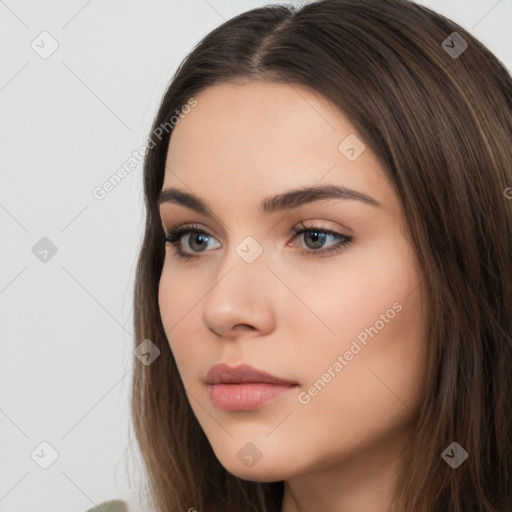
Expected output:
(239, 300)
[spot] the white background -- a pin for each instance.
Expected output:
(67, 124)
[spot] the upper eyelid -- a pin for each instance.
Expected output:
(222, 228)
(348, 231)
(193, 227)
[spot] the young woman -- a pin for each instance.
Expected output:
(324, 286)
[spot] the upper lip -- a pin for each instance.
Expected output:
(222, 373)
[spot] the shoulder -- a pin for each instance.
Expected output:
(110, 506)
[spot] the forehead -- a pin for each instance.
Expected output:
(256, 119)
(259, 138)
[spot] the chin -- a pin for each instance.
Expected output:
(246, 464)
(263, 473)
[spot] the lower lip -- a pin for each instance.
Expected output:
(246, 397)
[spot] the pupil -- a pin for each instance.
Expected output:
(197, 239)
(317, 237)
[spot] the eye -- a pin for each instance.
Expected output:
(317, 236)
(197, 237)
(197, 240)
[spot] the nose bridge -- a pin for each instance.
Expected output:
(239, 293)
(243, 264)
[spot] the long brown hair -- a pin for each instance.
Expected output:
(438, 116)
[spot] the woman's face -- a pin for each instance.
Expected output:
(337, 311)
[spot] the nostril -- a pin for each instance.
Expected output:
(243, 327)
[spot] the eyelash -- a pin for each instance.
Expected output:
(174, 237)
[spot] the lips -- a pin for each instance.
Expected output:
(225, 374)
(244, 388)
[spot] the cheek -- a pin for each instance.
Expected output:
(167, 302)
(377, 286)
(379, 388)
(177, 295)
(375, 312)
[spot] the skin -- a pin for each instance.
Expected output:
(291, 313)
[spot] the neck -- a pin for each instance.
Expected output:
(360, 483)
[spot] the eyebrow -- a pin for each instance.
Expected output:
(285, 201)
